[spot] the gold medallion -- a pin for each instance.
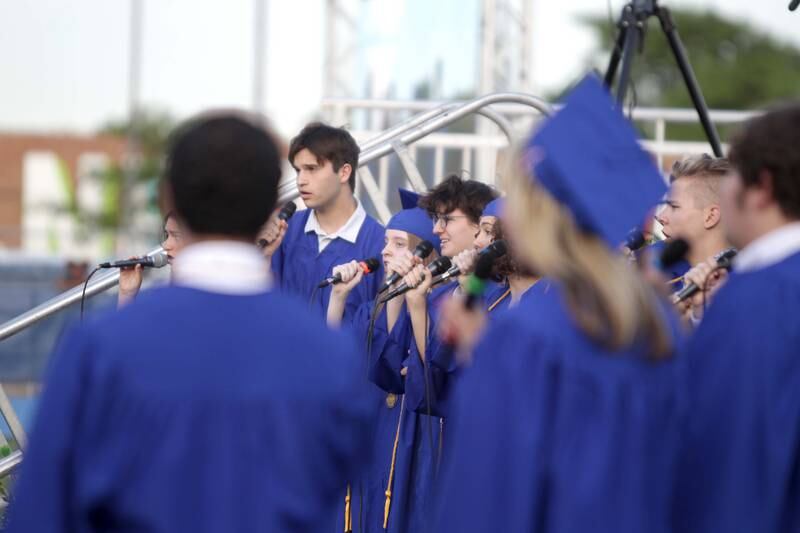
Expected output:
(391, 400)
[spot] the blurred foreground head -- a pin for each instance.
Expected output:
(764, 191)
(581, 184)
(222, 176)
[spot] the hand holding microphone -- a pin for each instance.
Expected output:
(465, 262)
(421, 252)
(347, 272)
(273, 232)
(698, 278)
(345, 277)
(420, 278)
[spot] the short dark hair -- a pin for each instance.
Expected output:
(770, 142)
(453, 193)
(328, 144)
(222, 173)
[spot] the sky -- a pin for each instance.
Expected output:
(64, 65)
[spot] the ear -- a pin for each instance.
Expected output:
(762, 194)
(344, 173)
(711, 216)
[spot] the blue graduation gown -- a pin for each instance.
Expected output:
(409, 471)
(431, 398)
(367, 491)
(549, 432)
(740, 467)
(299, 266)
(675, 272)
(443, 367)
(194, 411)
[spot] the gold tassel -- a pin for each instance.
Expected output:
(387, 505)
(348, 518)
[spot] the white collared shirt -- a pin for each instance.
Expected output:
(769, 249)
(348, 232)
(224, 267)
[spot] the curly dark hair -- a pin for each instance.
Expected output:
(453, 193)
(506, 266)
(770, 143)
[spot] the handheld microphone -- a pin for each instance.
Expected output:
(723, 260)
(287, 211)
(285, 214)
(476, 283)
(157, 260)
(435, 268)
(672, 253)
(423, 250)
(496, 249)
(635, 240)
(367, 265)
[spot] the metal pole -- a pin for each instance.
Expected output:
(526, 68)
(329, 78)
(259, 46)
(9, 464)
(486, 83)
(131, 143)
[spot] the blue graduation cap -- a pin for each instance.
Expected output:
(588, 157)
(494, 208)
(414, 220)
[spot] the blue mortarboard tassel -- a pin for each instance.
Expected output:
(589, 159)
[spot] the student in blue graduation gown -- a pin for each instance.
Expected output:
(334, 229)
(130, 278)
(740, 466)
(456, 207)
(513, 282)
(397, 481)
(568, 418)
(692, 211)
(514, 279)
(210, 405)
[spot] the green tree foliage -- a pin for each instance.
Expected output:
(148, 133)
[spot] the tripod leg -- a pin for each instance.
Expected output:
(685, 67)
(631, 45)
(616, 54)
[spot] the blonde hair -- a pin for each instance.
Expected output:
(611, 303)
(706, 173)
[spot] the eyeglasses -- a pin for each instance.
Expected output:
(445, 219)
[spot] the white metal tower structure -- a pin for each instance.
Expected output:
(341, 40)
(506, 52)
(506, 60)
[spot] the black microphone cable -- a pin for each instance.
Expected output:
(83, 293)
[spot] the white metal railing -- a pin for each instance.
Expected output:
(346, 111)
